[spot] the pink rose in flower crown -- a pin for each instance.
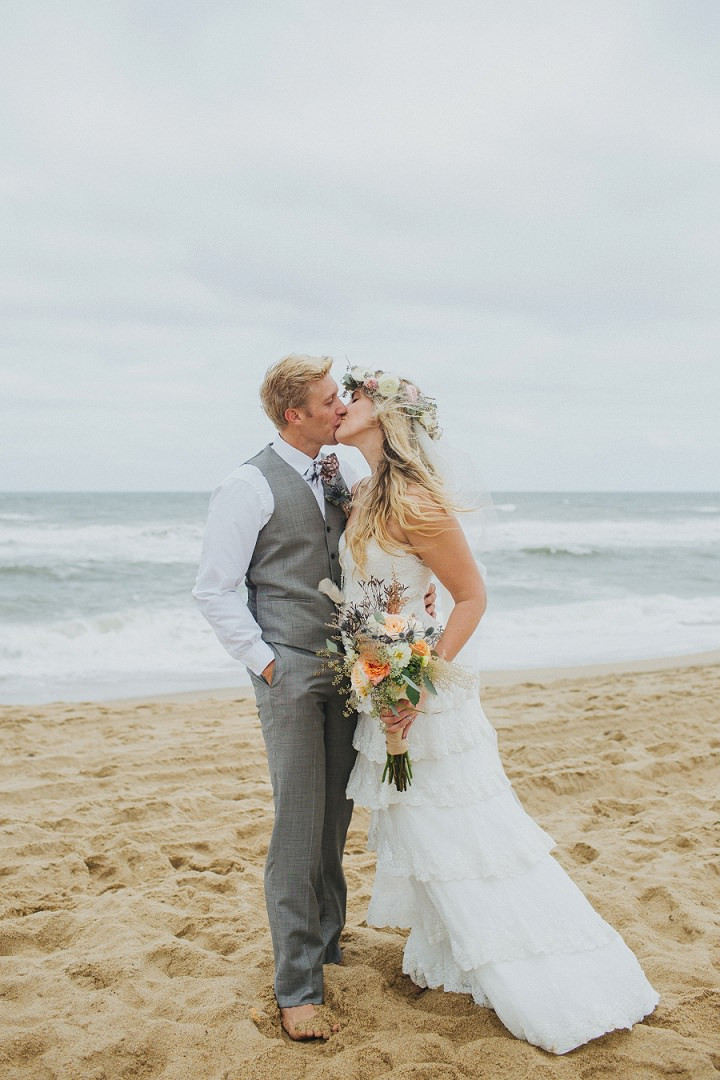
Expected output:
(412, 393)
(371, 384)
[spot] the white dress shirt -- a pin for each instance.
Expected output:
(239, 508)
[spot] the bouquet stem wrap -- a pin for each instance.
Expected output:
(398, 769)
(395, 743)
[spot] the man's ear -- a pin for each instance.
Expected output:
(292, 416)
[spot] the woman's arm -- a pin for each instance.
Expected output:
(447, 553)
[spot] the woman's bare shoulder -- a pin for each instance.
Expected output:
(426, 504)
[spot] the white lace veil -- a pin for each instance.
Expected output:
(462, 478)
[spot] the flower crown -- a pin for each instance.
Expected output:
(385, 385)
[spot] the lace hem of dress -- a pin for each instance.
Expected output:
(571, 1000)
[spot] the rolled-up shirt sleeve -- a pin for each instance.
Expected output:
(239, 508)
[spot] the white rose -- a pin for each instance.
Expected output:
(362, 688)
(388, 385)
(358, 374)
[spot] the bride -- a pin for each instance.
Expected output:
(459, 862)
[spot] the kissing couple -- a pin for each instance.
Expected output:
(459, 862)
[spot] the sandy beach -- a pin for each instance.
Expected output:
(133, 937)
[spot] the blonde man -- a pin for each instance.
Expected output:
(271, 527)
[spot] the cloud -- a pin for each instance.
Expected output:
(515, 202)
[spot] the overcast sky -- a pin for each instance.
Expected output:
(515, 203)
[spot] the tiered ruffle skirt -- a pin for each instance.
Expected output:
(491, 912)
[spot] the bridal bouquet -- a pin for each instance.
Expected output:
(386, 656)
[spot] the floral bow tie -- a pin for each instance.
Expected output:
(325, 469)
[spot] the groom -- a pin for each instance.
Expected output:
(271, 527)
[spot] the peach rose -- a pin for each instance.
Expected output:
(421, 647)
(395, 624)
(375, 670)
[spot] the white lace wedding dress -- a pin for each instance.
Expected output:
(460, 863)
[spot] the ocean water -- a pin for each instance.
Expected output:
(95, 599)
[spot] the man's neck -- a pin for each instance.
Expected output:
(312, 449)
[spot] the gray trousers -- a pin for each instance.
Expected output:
(310, 756)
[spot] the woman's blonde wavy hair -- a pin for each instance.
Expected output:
(404, 489)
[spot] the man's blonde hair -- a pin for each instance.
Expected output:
(287, 384)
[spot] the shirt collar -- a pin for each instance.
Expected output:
(300, 462)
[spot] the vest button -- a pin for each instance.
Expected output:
(327, 528)
(332, 555)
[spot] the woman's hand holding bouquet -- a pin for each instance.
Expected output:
(389, 660)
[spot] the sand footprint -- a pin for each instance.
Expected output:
(584, 853)
(665, 914)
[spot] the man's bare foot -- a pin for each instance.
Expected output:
(303, 1022)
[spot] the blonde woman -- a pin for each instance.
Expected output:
(459, 862)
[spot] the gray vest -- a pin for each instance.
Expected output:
(293, 553)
